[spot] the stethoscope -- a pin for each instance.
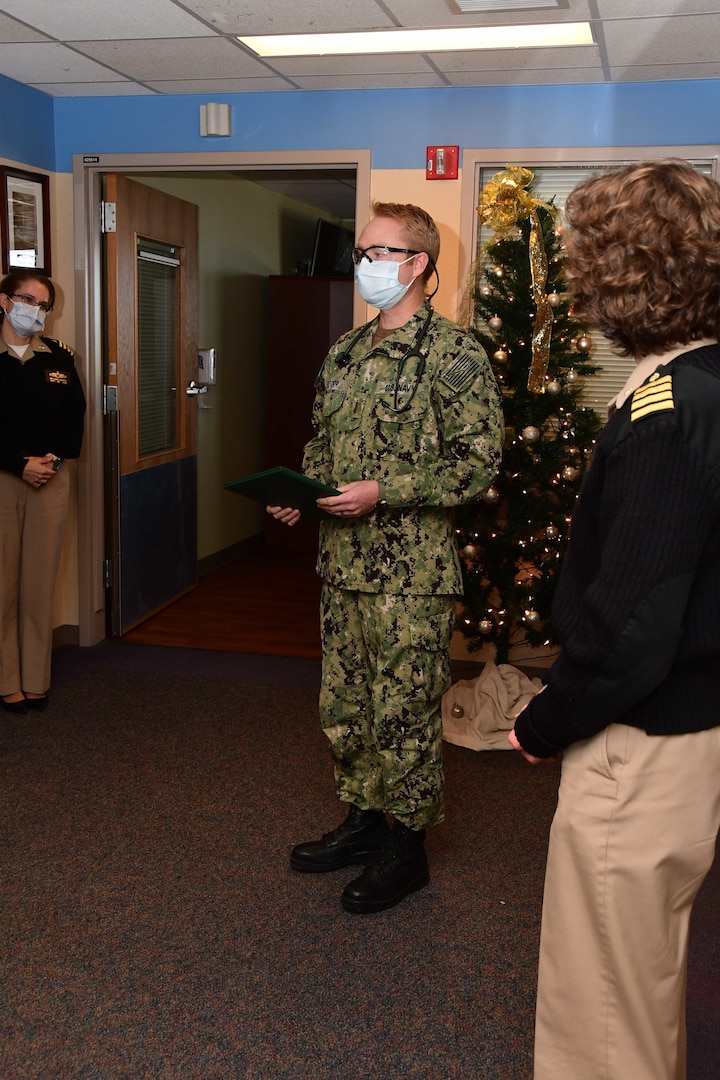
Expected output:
(414, 351)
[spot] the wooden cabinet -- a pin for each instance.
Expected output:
(307, 315)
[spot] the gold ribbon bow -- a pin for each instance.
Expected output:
(503, 203)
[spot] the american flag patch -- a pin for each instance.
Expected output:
(655, 396)
(461, 373)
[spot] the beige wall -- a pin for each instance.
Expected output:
(441, 199)
(246, 233)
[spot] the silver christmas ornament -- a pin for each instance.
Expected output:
(553, 387)
(531, 434)
(572, 376)
(486, 626)
(495, 323)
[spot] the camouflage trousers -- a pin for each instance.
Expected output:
(386, 666)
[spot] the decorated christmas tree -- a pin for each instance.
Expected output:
(513, 542)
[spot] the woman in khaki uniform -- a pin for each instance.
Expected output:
(42, 407)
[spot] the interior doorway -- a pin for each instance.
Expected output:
(277, 173)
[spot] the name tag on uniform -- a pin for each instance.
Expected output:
(60, 378)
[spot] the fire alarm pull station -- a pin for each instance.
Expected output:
(442, 162)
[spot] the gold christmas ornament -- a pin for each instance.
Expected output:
(501, 356)
(551, 531)
(504, 202)
(486, 292)
(531, 434)
(570, 472)
(554, 299)
(572, 376)
(584, 344)
(485, 626)
(499, 272)
(532, 617)
(491, 495)
(553, 387)
(495, 323)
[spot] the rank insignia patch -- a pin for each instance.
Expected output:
(655, 396)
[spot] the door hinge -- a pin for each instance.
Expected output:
(109, 399)
(108, 217)
(107, 573)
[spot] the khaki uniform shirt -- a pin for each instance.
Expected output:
(429, 431)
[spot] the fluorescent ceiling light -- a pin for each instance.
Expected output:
(469, 38)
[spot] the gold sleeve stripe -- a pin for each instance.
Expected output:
(653, 397)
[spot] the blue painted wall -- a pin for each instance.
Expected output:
(27, 125)
(396, 124)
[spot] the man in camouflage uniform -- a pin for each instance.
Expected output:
(408, 425)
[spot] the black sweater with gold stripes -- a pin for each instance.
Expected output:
(42, 404)
(637, 606)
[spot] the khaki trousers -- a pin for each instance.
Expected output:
(32, 526)
(631, 842)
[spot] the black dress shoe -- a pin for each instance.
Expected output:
(401, 869)
(37, 704)
(359, 839)
(14, 706)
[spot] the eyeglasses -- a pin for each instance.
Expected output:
(46, 307)
(378, 252)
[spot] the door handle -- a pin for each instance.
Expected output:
(193, 389)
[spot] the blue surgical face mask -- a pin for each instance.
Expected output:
(378, 284)
(25, 320)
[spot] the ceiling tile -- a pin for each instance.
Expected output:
(642, 9)
(492, 59)
(418, 13)
(87, 20)
(665, 72)
(51, 62)
(94, 89)
(350, 65)
(392, 81)
(526, 77)
(250, 84)
(290, 16)
(173, 59)
(657, 41)
(10, 30)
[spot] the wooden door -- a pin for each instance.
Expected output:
(151, 369)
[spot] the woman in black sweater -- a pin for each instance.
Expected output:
(632, 702)
(42, 408)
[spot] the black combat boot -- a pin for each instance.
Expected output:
(401, 869)
(359, 839)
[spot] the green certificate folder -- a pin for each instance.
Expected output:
(283, 487)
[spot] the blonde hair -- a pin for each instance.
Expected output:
(420, 229)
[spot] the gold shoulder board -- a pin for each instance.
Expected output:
(655, 396)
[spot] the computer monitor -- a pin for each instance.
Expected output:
(332, 253)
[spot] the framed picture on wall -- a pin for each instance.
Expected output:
(25, 221)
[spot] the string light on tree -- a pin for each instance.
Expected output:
(520, 527)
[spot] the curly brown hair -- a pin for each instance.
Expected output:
(420, 229)
(643, 247)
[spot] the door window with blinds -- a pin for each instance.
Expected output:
(159, 373)
(553, 182)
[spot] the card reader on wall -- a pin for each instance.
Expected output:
(207, 367)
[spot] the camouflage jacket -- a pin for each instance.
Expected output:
(429, 430)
